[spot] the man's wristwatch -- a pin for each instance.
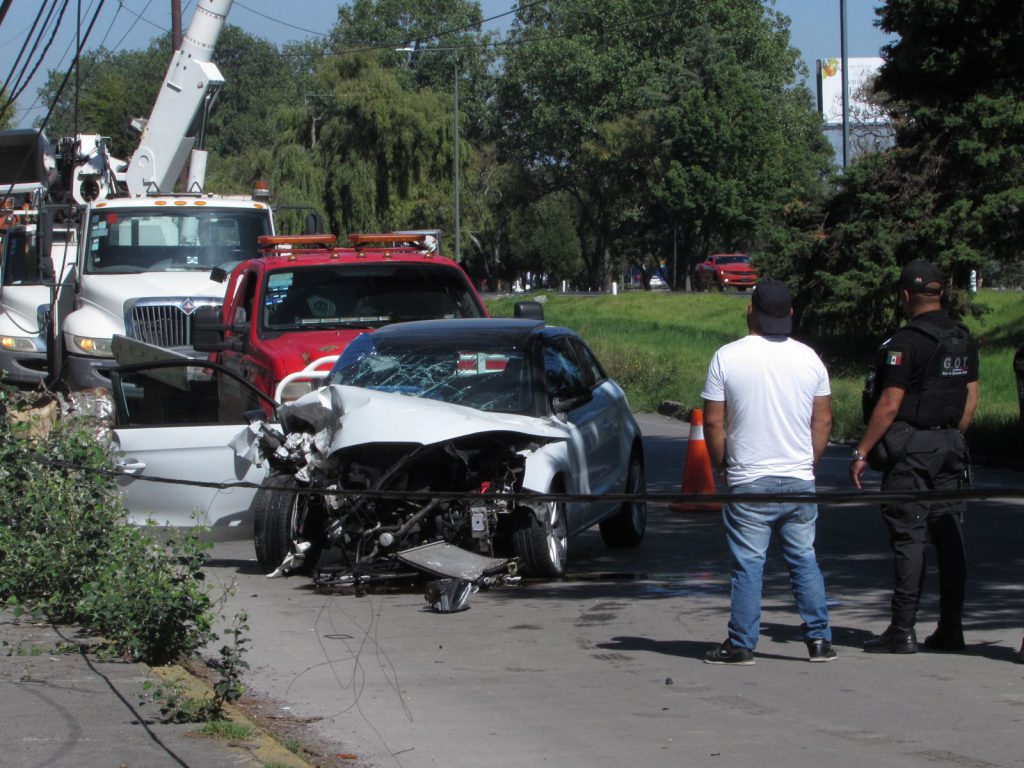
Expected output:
(858, 456)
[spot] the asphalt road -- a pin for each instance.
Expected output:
(604, 668)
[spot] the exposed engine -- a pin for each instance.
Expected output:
(387, 509)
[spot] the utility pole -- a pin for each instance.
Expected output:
(846, 82)
(175, 24)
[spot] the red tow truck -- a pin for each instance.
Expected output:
(289, 312)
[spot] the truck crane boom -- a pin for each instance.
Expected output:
(189, 85)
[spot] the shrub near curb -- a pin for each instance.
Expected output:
(67, 552)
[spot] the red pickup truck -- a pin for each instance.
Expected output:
(296, 306)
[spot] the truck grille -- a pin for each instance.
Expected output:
(165, 324)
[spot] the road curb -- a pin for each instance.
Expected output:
(261, 745)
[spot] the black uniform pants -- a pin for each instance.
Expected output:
(933, 459)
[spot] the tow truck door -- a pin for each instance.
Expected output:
(175, 420)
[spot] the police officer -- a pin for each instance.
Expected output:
(924, 392)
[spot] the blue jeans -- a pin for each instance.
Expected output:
(748, 531)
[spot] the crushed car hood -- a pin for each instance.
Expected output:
(346, 417)
(370, 416)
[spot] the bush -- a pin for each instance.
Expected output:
(67, 552)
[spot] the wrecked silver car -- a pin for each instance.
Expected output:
(424, 449)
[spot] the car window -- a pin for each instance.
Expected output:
(593, 373)
(563, 375)
(181, 395)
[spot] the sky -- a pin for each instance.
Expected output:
(131, 24)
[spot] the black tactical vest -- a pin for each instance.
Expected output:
(937, 394)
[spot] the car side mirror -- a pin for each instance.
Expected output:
(530, 310)
(569, 401)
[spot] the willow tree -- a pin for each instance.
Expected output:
(387, 151)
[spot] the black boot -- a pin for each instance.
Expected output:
(945, 638)
(893, 640)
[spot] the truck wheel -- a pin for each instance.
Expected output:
(540, 540)
(627, 526)
(279, 518)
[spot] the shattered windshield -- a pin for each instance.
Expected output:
(172, 240)
(488, 379)
(365, 294)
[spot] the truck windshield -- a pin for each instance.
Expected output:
(365, 295)
(136, 240)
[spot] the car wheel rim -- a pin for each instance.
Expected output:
(556, 534)
(298, 517)
(639, 508)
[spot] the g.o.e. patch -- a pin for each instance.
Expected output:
(894, 358)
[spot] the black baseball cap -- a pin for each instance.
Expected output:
(773, 306)
(920, 276)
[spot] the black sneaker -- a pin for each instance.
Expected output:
(945, 640)
(820, 649)
(893, 640)
(727, 653)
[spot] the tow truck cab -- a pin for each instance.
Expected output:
(291, 311)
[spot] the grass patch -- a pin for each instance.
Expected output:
(227, 730)
(657, 345)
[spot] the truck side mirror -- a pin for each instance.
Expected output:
(208, 330)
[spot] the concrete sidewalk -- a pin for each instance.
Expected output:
(62, 707)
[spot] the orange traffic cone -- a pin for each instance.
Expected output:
(698, 476)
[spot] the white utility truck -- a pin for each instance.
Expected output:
(145, 253)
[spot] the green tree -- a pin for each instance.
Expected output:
(114, 87)
(659, 118)
(7, 111)
(387, 151)
(544, 242)
(952, 189)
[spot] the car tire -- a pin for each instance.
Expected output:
(279, 515)
(540, 541)
(627, 526)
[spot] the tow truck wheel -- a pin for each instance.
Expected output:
(627, 526)
(540, 541)
(279, 518)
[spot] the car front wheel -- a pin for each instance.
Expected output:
(280, 517)
(627, 526)
(541, 540)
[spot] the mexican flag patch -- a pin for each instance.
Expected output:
(894, 358)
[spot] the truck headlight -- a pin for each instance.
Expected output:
(86, 345)
(18, 344)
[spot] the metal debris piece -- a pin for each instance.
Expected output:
(443, 559)
(449, 595)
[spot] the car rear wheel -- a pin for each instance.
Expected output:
(280, 517)
(541, 540)
(627, 526)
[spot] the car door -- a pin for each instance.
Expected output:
(564, 377)
(174, 421)
(605, 417)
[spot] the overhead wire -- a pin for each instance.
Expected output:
(74, 65)
(25, 54)
(71, 47)
(26, 79)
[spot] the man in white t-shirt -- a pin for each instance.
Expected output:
(771, 395)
